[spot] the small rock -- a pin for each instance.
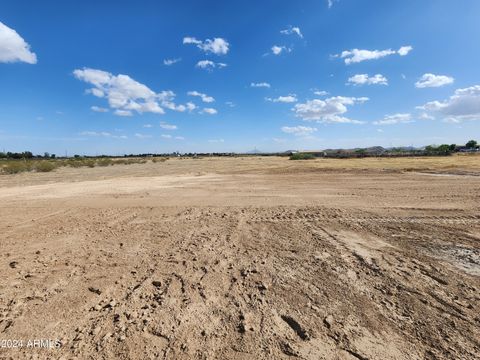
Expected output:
(122, 338)
(328, 321)
(94, 290)
(157, 283)
(13, 264)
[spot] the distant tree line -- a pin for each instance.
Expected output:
(25, 155)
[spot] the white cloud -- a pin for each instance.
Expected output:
(209, 65)
(431, 80)
(329, 110)
(425, 116)
(357, 55)
(404, 50)
(216, 46)
(102, 134)
(126, 95)
(179, 138)
(395, 119)
(142, 136)
(216, 141)
(190, 106)
(123, 113)
(13, 48)
(99, 109)
(292, 30)
(330, 3)
(205, 98)
(320, 92)
(209, 111)
(260, 85)
(169, 62)
(290, 98)
(463, 105)
(277, 50)
(166, 136)
(230, 104)
(148, 126)
(166, 126)
(362, 79)
(299, 130)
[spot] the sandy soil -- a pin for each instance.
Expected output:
(253, 258)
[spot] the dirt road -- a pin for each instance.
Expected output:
(259, 258)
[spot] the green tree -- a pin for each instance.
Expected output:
(472, 144)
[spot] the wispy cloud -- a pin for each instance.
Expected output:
(292, 30)
(166, 126)
(394, 119)
(260, 85)
(102, 134)
(299, 130)
(210, 111)
(169, 62)
(99, 109)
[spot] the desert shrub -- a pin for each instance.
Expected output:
(104, 162)
(90, 163)
(302, 156)
(44, 166)
(76, 163)
(15, 167)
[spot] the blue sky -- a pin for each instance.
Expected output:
(146, 76)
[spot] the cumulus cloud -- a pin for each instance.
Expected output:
(431, 80)
(169, 62)
(205, 98)
(463, 105)
(99, 109)
(125, 95)
(166, 126)
(365, 79)
(357, 55)
(277, 50)
(260, 85)
(290, 98)
(292, 30)
(209, 65)
(395, 119)
(299, 130)
(329, 110)
(216, 46)
(166, 136)
(210, 111)
(13, 48)
(320, 92)
(102, 134)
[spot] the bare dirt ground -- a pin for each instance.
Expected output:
(251, 258)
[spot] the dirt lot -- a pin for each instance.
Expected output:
(245, 258)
